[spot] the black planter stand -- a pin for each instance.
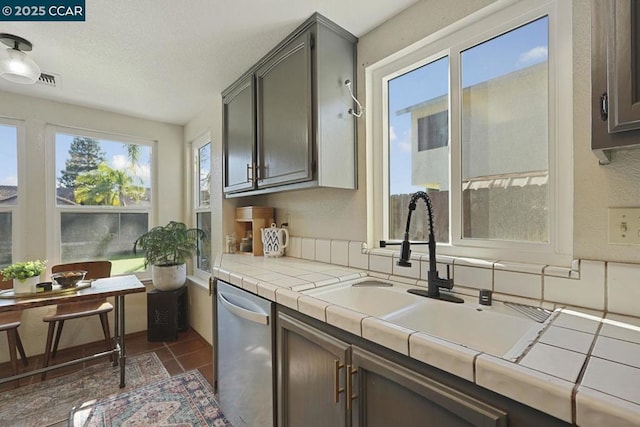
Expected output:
(167, 313)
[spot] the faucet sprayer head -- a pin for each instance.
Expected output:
(405, 249)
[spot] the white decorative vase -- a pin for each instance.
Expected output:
(28, 286)
(169, 278)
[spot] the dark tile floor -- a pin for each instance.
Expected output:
(190, 351)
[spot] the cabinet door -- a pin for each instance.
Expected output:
(623, 63)
(387, 394)
(311, 380)
(615, 76)
(284, 115)
(238, 136)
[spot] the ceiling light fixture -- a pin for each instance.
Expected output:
(17, 67)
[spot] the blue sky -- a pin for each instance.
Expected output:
(8, 147)
(520, 48)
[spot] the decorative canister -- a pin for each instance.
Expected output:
(274, 240)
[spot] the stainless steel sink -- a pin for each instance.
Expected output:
(497, 330)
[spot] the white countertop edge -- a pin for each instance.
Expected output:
(442, 354)
(594, 408)
(533, 388)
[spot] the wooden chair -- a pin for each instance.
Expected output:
(9, 322)
(69, 311)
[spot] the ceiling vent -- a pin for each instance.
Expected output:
(49, 79)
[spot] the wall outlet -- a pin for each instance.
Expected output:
(624, 226)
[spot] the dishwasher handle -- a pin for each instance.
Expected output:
(252, 316)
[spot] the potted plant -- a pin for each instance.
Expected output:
(25, 275)
(166, 248)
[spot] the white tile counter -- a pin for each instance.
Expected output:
(584, 368)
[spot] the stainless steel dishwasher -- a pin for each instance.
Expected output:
(245, 357)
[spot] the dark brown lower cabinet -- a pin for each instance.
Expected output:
(311, 380)
(387, 394)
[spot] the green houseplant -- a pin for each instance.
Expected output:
(25, 275)
(166, 248)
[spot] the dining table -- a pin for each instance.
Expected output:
(116, 286)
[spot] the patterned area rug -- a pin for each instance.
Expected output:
(49, 402)
(183, 400)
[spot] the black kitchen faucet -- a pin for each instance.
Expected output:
(435, 282)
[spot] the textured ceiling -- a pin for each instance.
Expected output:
(165, 60)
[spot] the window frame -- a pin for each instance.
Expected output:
(196, 208)
(54, 211)
(483, 25)
(18, 217)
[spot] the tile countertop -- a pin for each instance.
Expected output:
(584, 368)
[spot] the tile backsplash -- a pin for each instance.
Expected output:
(599, 285)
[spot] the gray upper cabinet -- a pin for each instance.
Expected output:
(238, 124)
(298, 123)
(285, 116)
(615, 71)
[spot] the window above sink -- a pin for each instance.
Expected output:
(479, 116)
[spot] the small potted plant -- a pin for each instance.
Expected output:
(166, 248)
(25, 275)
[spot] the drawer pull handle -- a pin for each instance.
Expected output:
(336, 381)
(350, 396)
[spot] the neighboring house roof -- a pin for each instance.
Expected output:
(521, 179)
(64, 196)
(8, 194)
(8, 191)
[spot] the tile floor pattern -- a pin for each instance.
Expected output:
(190, 351)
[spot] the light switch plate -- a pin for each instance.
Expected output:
(624, 226)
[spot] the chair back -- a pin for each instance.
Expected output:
(94, 269)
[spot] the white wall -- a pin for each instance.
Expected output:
(36, 114)
(200, 311)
